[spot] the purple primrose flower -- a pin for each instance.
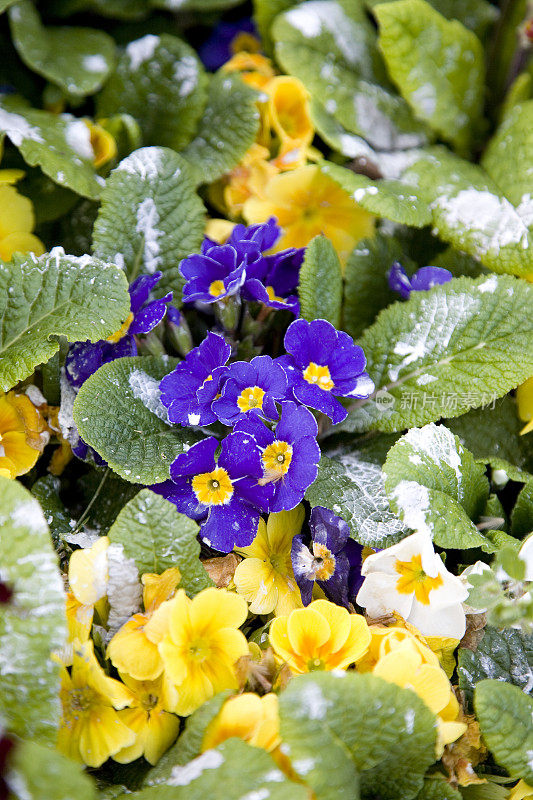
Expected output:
(425, 278)
(217, 272)
(323, 364)
(332, 559)
(84, 358)
(251, 388)
(224, 496)
(189, 390)
(290, 456)
(275, 279)
(219, 47)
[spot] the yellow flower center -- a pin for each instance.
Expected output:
(199, 650)
(148, 701)
(79, 701)
(122, 331)
(324, 562)
(315, 664)
(251, 397)
(272, 296)
(213, 488)
(277, 458)
(414, 579)
(320, 376)
(217, 288)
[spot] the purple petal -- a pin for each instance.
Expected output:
(398, 280)
(240, 456)
(321, 400)
(151, 315)
(310, 341)
(328, 529)
(230, 525)
(428, 277)
(198, 459)
(141, 288)
(295, 423)
(182, 496)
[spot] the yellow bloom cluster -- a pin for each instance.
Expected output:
(275, 176)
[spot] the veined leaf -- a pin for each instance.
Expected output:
(78, 60)
(503, 655)
(435, 485)
(509, 155)
(42, 773)
(50, 296)
(157, 537)
(59, 144)
(458, 346)
(227, 129)
(438, 66)
(504, 714)
(320, 286)
(34, 623)
(352, 81)
(150, 217)
(136, 440)
(160, 81)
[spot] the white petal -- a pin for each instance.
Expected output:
(526, 554)
(379, 596)
(450, 621)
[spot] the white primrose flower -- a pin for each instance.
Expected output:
(526, 554)
(411, 579)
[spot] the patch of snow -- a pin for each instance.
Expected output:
(78, 137)
(186, 73)
(141, 50)
(182, 776)
(18, 129)
(95, 63)
(147, 219)
(146, 389)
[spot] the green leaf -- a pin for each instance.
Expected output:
(4, 5)
(336, 726)
(189, 744)
(157, 537)
(522, 514)
(438, 66)
(509, 154)
(151, 217)
(34, 623)
(195, 5)
(58, 143)
(354, 490)
(265, 12)
(320, 286)
(160, 81)
(504, 714)
(227, 129)
(136, 440)
(351, 80)
(505, 655)
(55, 295)
(115, 9)
(436, 788)
(435, 485)
(477, 15)
(458, 346)
(46, 490)
(471, 211)
(366, 286)
(78, 60)
(385, 198)
(40, 773)
(228, 772)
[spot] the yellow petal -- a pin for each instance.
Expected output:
(16, 214)
(158, 588)
(338, 620)
(133, 653)
(432, 686)
(254, 580)
(193, 692)
(20, 242)
(103, 735)
(260, 546)
(87, 572)
(282, 527)
(355, 646)
(87, 671)
(307, 630)
(217, 608)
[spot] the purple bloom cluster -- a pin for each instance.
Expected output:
(84, 358)
(424, 279)
(240, 266)
(331, 559)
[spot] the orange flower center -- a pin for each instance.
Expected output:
(216, 288)
(213, 488)
(277, 458)
(319, 375)
(324, 562)
(251, 397)
(414, 579)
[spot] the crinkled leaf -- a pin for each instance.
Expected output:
(34, 623)
(136, 440)
(436, 788)
(150, 217)
(385, 198)
(504, 655)
(435, 485)
(320, 282)
(522, 515)
(438, 66)
(157, 537)
(58, 143)
(189, 744)
(41, 773)
(509, 153)
(471, 211)
(354, 490)
(477, 15)
(332, 49)
(78, 60)
(50, 296)
(442, 352)
(505, 715)
(336, 726)
(227, 129)
(265, 12)
(228, 772)
(160, 81)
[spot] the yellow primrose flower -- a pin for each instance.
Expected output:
(249, 717)
(102, 142)
(434, 650)
(306, 202)
(21, 431)
(90, 729)
(155, 728)
(17, 220)
(406, 666)
(219, 230)
(248, 179)
(322, 636)
(265, 577)
(88, 577)
(202, 644)
(255, 69)
(521, 791)
(288, 110)
(524, 398)
(133, 649)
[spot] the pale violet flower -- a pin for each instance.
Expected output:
(411, 579)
